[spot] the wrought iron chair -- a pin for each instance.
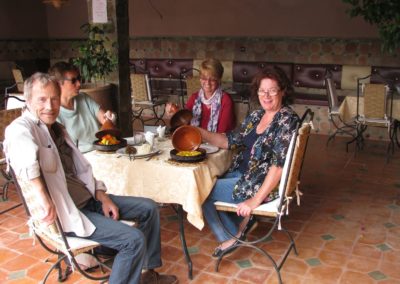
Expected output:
(19, 79)
(273, 211)
(334, 115)
(6, 117)
(376, 111)
(189, 83)
(14, 91)
(54, 240)
(52, 237)
(142, 99)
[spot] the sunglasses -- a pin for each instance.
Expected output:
(74, 79)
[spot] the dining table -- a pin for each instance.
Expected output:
(348, 108)
(183, 185)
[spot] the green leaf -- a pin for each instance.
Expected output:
(95, 60)
(384, 14)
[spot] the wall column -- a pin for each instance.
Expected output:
(118, 31)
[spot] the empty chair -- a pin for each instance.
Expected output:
(273, 211)
(190, 84)
(374, 109)
(14, 101)
(15, 91)
(334, 115)
(19, 79)
(142, 99)
(6, 117)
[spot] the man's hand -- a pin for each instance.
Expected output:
(48, 212)
(244, 209)
(109, 208)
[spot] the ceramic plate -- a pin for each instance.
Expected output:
(209, 148)
(122, 152)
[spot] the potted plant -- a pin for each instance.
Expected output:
(96, 62)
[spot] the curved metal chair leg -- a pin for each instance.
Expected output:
(358, 139)
(158, 117)
(137, 115)
(263, 252)
(292, 243)
(5, 191)
(54, 266)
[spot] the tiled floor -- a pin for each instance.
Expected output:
(347, 229)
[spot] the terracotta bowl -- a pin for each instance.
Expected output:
(186, 138)
(181, 117)
(108, 128)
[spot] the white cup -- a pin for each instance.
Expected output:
(161, 131)
(149, 136)
(139, 138)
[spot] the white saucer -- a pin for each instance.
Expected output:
(209, 148)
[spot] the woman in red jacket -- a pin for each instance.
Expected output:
(211, 107)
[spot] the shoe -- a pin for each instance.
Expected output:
(153, 277)
(218, 251)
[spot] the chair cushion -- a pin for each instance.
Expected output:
(265, 209)
(79, 243)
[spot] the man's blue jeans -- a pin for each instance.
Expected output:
(137, 247)
(222, 191)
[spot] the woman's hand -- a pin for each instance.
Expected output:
(244, 209)
(170, 109)
(270, 182)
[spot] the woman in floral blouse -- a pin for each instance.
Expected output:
(262, 142)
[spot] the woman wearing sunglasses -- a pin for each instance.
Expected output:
(262, 141)
(79, 113)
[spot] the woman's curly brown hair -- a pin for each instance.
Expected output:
(278, 75)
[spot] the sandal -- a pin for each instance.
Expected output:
(218, 252)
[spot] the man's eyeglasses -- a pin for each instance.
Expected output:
(271, 92)
(211, 80)
(74, 79)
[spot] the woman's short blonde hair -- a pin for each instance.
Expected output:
(212, 66)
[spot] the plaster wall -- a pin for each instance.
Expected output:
(272, 18)
(22, 19)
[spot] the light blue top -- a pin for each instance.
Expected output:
(81, 122)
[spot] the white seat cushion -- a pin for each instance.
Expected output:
(263, 209)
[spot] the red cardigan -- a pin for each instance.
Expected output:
(226, 120)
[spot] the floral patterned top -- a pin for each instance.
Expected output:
(269, 149)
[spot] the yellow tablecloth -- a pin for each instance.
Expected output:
(348, 108)
(161, 179)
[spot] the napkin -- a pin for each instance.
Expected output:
(161, 131)
(149, 136)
